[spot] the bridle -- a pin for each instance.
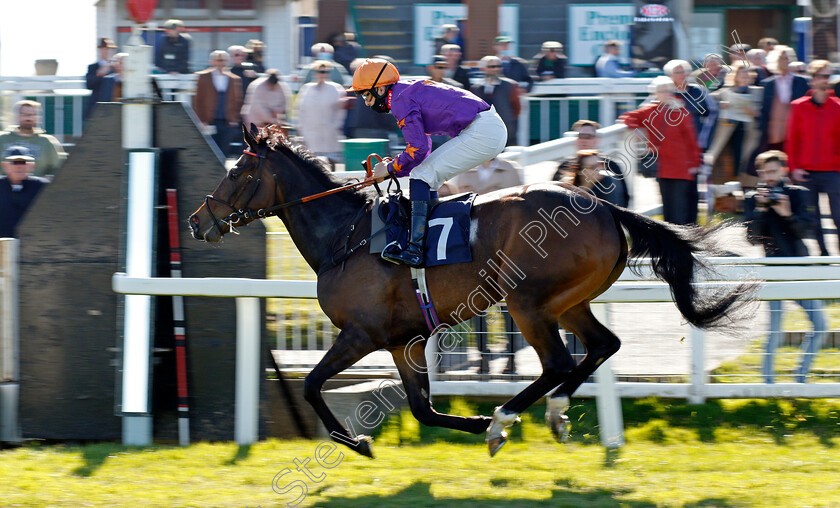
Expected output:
(245, 213)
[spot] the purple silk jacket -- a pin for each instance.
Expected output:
(424, 108)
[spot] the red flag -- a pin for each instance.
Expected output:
(141, 10)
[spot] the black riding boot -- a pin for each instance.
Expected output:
(413, 254)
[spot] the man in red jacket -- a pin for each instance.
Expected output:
(812, 143)
(672, 140)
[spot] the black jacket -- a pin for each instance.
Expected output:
(781, 236)
(13, 204)
(174, 55)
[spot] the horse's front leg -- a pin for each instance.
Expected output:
(351, 345)
(411, 364)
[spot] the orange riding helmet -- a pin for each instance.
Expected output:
(374, 72)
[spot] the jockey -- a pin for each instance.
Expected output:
(424, 108)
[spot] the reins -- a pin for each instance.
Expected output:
(246, 213)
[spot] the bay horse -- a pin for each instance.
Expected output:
(547, 249)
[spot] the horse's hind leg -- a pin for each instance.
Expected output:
(411, 363)
(349, 347)
(600, 344)
(542, 333)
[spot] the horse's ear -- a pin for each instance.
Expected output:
(249, 138)
(254, 130)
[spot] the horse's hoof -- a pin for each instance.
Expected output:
(559, 426)
(495, 444)
(365, 446)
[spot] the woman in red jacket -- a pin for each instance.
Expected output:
(673, 142)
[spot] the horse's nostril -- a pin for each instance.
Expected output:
(193, 222)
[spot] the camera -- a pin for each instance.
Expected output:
(773, 194)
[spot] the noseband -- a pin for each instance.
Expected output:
(244, 212)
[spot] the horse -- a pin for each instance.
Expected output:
(547, 249)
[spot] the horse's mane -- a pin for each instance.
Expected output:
(274, 137)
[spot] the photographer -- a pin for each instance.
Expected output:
(778, 218)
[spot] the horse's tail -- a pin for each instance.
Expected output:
(672, 250)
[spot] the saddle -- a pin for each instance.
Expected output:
(448, 231)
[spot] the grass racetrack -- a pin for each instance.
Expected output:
(749, 453)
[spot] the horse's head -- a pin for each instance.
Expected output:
(242, 195)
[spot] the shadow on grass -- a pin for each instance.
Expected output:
(242, 453)
(94, 455)
(419, 494)
(710, 422)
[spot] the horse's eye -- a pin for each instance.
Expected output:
(233, 175)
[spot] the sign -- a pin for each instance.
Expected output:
(653, 34)
(429, 18)
(591, 25)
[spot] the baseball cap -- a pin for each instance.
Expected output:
(105, 42)
(502, 39)
(17, 152)
(172, 24)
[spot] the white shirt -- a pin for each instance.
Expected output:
(220, 81)
(784, 87)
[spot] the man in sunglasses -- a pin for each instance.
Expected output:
(423, 108)
(501, 92)
(18, 187)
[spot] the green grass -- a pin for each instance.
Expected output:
(752, 453)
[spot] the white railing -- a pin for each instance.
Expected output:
(9, 341)
(607, 390)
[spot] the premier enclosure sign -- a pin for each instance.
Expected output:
(591, 25)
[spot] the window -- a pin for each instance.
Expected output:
(238, 5)
(190, 4)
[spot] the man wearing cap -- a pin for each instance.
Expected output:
(437, 72)
(18, 188)
(45, 149)
(97, 71)
(423, 108)
(454, 69)
(551, 62)
(173, 51)
(513, 67)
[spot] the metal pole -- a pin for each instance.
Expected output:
(246, 430)
(9, 342)
(137, 134)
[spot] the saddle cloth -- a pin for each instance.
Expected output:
(447, 234)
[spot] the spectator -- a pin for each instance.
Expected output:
(501, 92)
(173, 51)
(799, 69)
(513, 67)
(767, 44)
(614, 188)
(363, 122)
(590, 173)
(320, 111)
(712, 75)
(551, 62)
(673, 136)
(96, 73)
(812, 144)
(437, 72)
(739, 104)
(758, 61)
(345, 48)
(779, 91)
(218, 100)
(450, 35)
(778, 218)
(703, 108)
(45, 149)
(324, 52)
(266, 100)
(241, 66)
(489, 176)
(111, 89)
(18, 188)
(454, 69)
(493, 175)
(256, 53)
(607, 64)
